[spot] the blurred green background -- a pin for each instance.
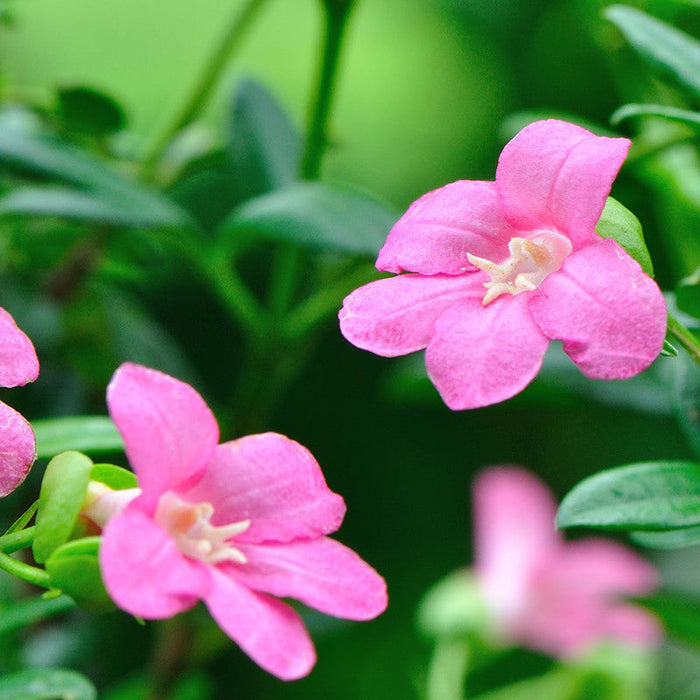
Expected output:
(426, 94)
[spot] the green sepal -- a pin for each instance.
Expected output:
(115, 477)
(662, 495)
(74, 568)
(620, 224)
(62, 494)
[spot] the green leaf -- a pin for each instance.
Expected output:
(667, 49)
(680, 116)
(91, 434)
(685, 398)
(46, 684)
(668, 539)
(680, 615)
(62, 494)
(620, 224)
(75, 569)
(264, 146)
(315, 215)
(52, 158)
(88, 111)
(688, 294)
(115, 477)
(643, 496)
(19, 615)
(79, 205)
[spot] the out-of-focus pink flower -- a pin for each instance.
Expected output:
(495, 270)
(546, 594)
(232, 524)
(18, 365)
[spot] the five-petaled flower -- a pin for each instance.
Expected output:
(543, 593)
(495, 270)
(232, 524)
(18, 365)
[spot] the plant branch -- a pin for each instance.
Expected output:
(685, 337)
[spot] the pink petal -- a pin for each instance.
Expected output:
(17, 449)
(609, 314)
(273, 481)
(514, 533)
(322, 573)
(144, 571)
(634, 625)
(558, 174)
(269, 631)
(396, 316)
(169, 432)
(18, 360)
(439, 229)
(481, 355)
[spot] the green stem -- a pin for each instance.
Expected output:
(15, 541)
(685, 337)
(207, 80)
(336, 15)
(23, 571)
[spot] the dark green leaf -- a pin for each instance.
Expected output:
(668, 539)
(19, 615)
(75, 569)
(680, 615)
(265, 147)
(644, 496)
(92, 434)
(688, 294)
(669, 50)
(63, 490)
(685, 398)
(79, 205)
(88, 111)
(681, 116)
(315, 215)
(113, 476)
(46, 684)
(620, 224)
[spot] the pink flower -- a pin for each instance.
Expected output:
(18, 365)
(557, 597)
(498, 269)
(232, 524)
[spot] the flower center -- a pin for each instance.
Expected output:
(189, 525)
(530, 261)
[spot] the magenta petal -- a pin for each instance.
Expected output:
(322, 573)
(17, 449)
(169, 432)
(439, 229)
(396, 316)
(18, 360)
(144, 571)
(481, 355)
(269, 631)
(558, 174)
(610, 316)
(514, 533)
(273, 481)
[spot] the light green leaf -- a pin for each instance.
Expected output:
(669, 50)
(62, 494)
(681, 116)
(15, 616)
(643, 496)
(91, 434)
(115, 477)
(315, 215)
(620, 224)
(75, 569)
(46, 684)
